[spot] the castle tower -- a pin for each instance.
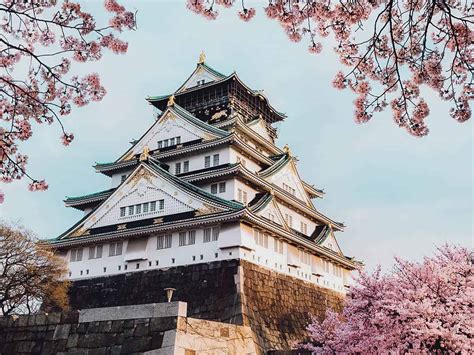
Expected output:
(205, 202)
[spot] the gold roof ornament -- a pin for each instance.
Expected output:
(145, 154)
(286, 149)
(171, 101)
(202, 58)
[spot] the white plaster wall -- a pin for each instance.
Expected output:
(239, 184)
(229, 188)
(250, 164)
(297, 218)
(196, 160)
(236, 241)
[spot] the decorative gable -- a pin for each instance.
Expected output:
(286, 177)
(259, 126)
(146, 194)
(272, 212)
(175, 126)
(331, 243)
(202, 75)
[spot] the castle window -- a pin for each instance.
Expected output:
(137, 266)
(186, 166)
(182, 239)
(194, 257)
(201, 256)
(214, 189)
(115, 249)
(260, 238)
(242, 196)
(153, 206)
(164, 241)
(215, 233)
(95, 252)
(178, 140)
(165, 143)
(125, 267)
(278, 246)
(207, 235)
(138, 209)
(119, 267)
(326, 265)
(105, 269)
(207, 161)
(161, 204)
(82, 272)
(130, 210)
(172, 141)
(177, 168)
(221, 187)
(192, 237)
(305, 257)
(122, 211)
(304, 228)
(76, 254)
(160, 144)
(172, 260)
(289, 219)
(145, 207)
(215, 159)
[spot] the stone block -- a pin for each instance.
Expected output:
(61, 331)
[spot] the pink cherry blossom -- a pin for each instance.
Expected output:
(420, 308)
(391, 48)
(48, 93)
(247, 14)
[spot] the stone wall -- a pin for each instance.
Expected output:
(153, 329)
(208, 289)
(277, 307)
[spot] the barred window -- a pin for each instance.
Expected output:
(192, 237)
(164, 241)
(76, 254)
(122, 211)
(95, 252)
(153, 206)
(214, 189)
(215, 233)
(115, 248)
(215, 159)
(207, 161)
(221, 187)
(138, 209)
(186, 166)
(182, 239)
(177, 168)
(207, 235)
(161, 204)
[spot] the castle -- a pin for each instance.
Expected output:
(207, 204)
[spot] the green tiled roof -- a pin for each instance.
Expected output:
(83, 197)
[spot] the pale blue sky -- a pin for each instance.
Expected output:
(396, 194)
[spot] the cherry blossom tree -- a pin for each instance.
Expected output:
(39, 41)
(420, 308)
(392, 47)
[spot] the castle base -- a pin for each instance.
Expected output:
(276, 307)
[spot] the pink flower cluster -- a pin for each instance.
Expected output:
(410, 43)
(48, 93)
(421, 308)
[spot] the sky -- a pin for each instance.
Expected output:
(398, 195)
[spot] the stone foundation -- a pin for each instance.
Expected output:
(277, 307)
(151, 329)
